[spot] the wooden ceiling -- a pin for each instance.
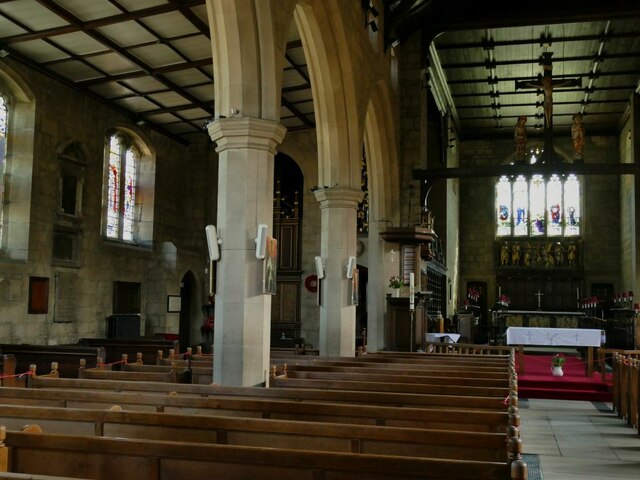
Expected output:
(150, 59)
(481, 49)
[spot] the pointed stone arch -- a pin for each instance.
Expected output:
(331, 69)
(382, 158)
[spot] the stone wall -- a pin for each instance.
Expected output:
(63, 116)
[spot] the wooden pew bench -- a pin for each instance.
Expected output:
(126, 459)
(283, 408)
(626, 380)
(115, 347)
(198, 374)
(107, 373)
(440, 371)
(362, 397)
(67, 356)
(385, 375)
(8, 372)
(258, 432)
(346, 381)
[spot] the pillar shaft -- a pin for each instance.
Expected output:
(246, 148)
(338, 208)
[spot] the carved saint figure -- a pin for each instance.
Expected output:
(520, 136)
(515, 254)
(572, 255)
(577, 135)
(504, 254)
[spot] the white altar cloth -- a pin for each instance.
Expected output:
(443, 337)
(578, 337)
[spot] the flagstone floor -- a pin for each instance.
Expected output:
(578, 440)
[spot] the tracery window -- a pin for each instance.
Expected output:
(538, 206)
(122, 161)
(4, 121)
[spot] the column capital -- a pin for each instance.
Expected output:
(338, 197)
(246, 132)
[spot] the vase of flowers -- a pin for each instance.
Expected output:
(395, 284)
(557, 361)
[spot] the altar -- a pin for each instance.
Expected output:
(566, 337)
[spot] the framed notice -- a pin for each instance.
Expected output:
(174, 304)
(38, 295)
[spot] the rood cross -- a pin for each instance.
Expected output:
(546, 84)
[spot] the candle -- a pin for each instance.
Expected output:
(578, 293)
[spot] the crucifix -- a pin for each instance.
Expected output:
(539, 295)
(545, 85)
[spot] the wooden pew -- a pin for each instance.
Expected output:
(346, 381)
(8, 376)
(363, 397)
(126, 459)
(474, 420)
(626, 378)
(115, 347)
(197, 374)
(385, 375)
(67, 356)
(107, 373)
(257, 432)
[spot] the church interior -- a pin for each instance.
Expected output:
(367, 206)
(480, 156)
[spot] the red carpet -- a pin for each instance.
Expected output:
(537, 381)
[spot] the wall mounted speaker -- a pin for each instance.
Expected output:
(319, 268)
(261, 241)
(212, 242)
(351, 264)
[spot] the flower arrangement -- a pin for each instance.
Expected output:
(504, 300)
(557, 360)
(395, 282)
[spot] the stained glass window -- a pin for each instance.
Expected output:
(122, 170)
(538, 206)
(4, 120)
(503, 206)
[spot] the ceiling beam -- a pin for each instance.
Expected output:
(509, 170)
(100, 22)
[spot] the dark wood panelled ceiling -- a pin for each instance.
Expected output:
(477, 51)
(150, 59)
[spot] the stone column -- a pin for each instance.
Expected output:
(338, 207)
(246, 148)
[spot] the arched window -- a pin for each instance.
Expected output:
(121, 184)
(538, 206)
(4, 121)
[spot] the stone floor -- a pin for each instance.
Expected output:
(578, 440)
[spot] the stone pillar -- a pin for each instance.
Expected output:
(246, 148)
(338, 207)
